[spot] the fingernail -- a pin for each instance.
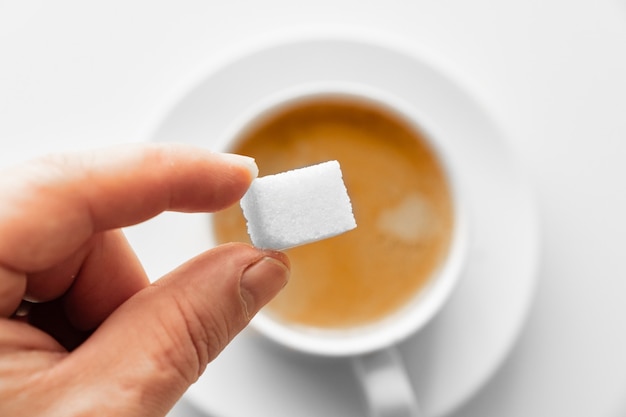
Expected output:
(261, 281)
(243, 161)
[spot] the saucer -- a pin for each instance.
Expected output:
(453, 357)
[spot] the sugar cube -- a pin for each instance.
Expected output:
(297, 207)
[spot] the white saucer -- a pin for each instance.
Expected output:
(457, 353)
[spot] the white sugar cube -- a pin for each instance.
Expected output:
(297, 207)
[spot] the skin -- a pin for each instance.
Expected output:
(82, 330)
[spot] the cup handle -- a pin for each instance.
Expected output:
(385, 383)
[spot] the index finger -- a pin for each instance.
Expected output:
(54, 204)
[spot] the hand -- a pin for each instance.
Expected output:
(95, 338)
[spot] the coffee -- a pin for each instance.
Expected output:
(401, 200)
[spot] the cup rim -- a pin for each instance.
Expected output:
(429, 300)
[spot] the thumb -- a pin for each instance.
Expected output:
(155, 345)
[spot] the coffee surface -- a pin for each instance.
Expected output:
(400, 198)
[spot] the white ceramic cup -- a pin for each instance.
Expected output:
(371, 348)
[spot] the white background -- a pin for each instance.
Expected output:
(79, 74)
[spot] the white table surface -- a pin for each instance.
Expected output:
(79, 74)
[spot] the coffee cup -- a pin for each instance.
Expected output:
(359, 294)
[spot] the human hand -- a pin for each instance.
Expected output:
(100, 339)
